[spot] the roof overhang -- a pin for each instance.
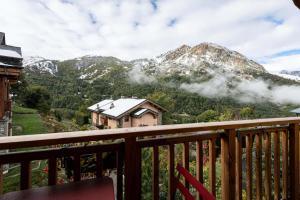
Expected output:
(297, 3)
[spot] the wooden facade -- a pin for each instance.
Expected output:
(10, 69)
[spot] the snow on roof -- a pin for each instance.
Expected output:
(139, 112)
(10, 53)
(6, 65)
(100, 104)
(120, 106)
(296, 111)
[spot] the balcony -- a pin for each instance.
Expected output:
(259, 159)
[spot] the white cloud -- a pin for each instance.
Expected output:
(290, 62)
(131, 29)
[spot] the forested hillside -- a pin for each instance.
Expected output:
(191, 83)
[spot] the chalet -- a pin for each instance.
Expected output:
(296, 111)
(10, 69)
(126, 112)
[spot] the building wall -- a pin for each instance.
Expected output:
(95, 118)
(147, 119)
(128, 123)
(112, 123)
(150, 106)
(155, 109)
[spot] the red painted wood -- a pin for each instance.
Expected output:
(203, 192)
(83, 190)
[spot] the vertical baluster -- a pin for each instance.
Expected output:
(171, 187)
(25, 182)
(132, 169)
(294, 160)
(212, 166)
(120, 163)
(199, 163)
(185, 158)
(249, 166)
(276, 166)
(155, 173)
(228, 164)
(77, 174)
(52, 171)
(99, 165)
(267, 179)
(238, 154)
(284, 165)
(258, 166)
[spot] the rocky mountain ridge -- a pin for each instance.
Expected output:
(197, 63)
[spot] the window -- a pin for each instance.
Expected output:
(126, 118)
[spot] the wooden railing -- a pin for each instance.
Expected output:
(259, 158)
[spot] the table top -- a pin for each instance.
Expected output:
(95, 189)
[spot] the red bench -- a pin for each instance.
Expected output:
(96, 189)
(204, 194)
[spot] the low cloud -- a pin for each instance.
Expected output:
(137, 75)
(228, 85)
(246, 91)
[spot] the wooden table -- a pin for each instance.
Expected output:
(100, 189)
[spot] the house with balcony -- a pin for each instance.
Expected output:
(125, 113)
(10, 69)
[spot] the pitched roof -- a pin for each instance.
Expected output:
(10, 56)
(97, 106)
(296, 111)
(121, 106)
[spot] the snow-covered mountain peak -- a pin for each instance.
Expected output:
(40, 64)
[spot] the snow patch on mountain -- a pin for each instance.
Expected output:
(40, 64)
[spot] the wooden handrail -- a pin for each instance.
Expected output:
(14, 142)
(234, 137)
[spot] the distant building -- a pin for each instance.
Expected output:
(126, 112)
(296, 111)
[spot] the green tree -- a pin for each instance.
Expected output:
(208, 116)
(37, 97)
(246, 113)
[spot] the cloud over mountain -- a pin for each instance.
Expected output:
(129, 29)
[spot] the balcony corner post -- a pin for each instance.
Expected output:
(132, 169)
(294, 160)
(228, 164)
(1, 179)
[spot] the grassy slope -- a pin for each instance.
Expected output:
(27, 121)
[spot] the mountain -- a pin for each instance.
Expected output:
(292, 75)
(187, 80)
(205, 59)
(198, 63)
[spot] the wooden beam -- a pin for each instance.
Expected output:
(228, 164)
(297, 3)
(110, 134)
(132, 169)
(294, 160)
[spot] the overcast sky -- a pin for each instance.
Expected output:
(267, 31)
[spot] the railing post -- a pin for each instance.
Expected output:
(1, 179)
(228, 164)
(294, 160)
(132, 169)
